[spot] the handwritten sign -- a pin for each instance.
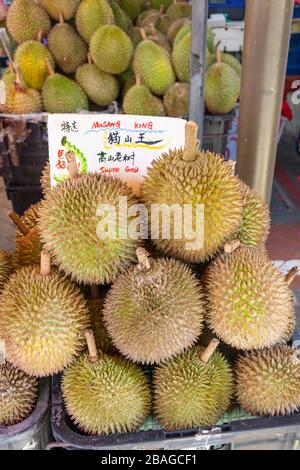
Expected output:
(118, 145)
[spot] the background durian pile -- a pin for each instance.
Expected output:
(161, 315)
(74, 55)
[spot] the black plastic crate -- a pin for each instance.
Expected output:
(215, 132)
(215, 143)
(22, 197)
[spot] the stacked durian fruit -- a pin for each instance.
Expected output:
(74, 55)
(166, 313)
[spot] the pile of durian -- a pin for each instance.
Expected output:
(102, 309)
(74, 55)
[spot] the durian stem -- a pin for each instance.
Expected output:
(208, 352)
(95, 292)
(18, 222)
(231, 246)
(40, 35)
(291, 275)
(153, 31)
(2, 353)
(110, 20)
(138, 80)
(191, 142)
(89, 58)
(49, 68)
(162, 9)
(11, 67)
(143, 34)
(45, 268)
(61, 18)
(218, 56)
(91, 344)
(143, 259)
(72, 165)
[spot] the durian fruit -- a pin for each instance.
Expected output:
(67, 47)
(181, 58)
(156, 36)
(163, 24)
(147, 17)
(6, 267)
(155, 310)
(250, 305)
(121, 18)
(178, 10)
(268, 381)
(139, 101)
(18, 394)
(26, 20)
(66, 7)
(129, 83)
(105, 394)
(131, 7)
(255, 224)
(28, 247)
(91, 14)
(222, 88)
(175, 27)
(200, 180)
(101, 87)
(210, 38)
(192, 390)
(96, 304)
(229, 59)
(184, 30)
(21, 100)
(46, 179)
(63, 95)
(88, 254)
(42, 319)
(152, 64)
(176, 100)
(30, 59)
(111, 49)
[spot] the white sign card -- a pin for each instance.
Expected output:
(118, 145)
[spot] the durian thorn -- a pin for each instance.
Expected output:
(40, 35)
(18, 222)
(45, 267)
(61, 18)
(208, 352)
(191, 142)
(143, 259)
(72, 165)
(143, 34)
(49, 67)
(91, 344)
(218, 56)
(231, 246)
(89, 58)
(291, 275)
(95, 292)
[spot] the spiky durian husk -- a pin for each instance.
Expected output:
(108, 396)
(250, 305)
(209, 181)
(18, 394)
(102, 339)
(42, 321)
(45, 179)
(6, 267)
(28, 247)
(68, 222)
(31, 216)
(268, 381)
(154, 315)
(255, 224)
(20, 100)
(188, 393)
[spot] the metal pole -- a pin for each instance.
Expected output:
(266, 44)
(198, 61)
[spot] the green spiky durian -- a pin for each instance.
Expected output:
(21, 100)
(131, 7)
(42, 321)
(90, 15)
(222, 88)
(101, 87)
(268, 381)
(175, 28)
(67, 47)
(18, 395)
(103, 341)
(121, 18)
(176, 100)
(204, 181)
(56, 7)
(109, 396)
(31, 59)
(184, 30)
(178, 10)
(250, 306)
(181, 58)
(210, 38)
(6, 267)
(156, 36)
(154, 310)
(111, 49)
(26, 20)
(28, 247)
(139, 101)
(63, 95)
(164, 24)
(147, 17)
(255, 224)
(189, 393)
(81, 253)
(229, 59)
(152, 64)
